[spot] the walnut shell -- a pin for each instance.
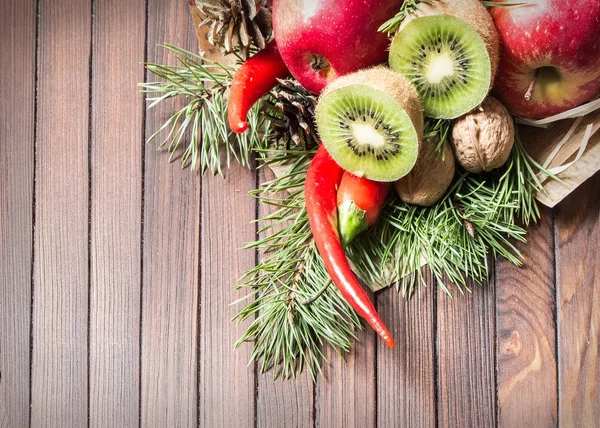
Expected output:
(431, 176)
(484, 138)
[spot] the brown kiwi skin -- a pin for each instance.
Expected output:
(474, 13)
(430, 178)
(390, 82)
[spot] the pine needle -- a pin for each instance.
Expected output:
(295, 311)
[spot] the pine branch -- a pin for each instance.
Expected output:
(480, 215)
(438, 130)
(390, 27)
(296, 311)
(203, 85)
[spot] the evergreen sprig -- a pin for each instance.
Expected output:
(390, 27)
(202, 84)
(295, 310)
(439, 131)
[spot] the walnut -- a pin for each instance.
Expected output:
(431, 176)
(484, 138)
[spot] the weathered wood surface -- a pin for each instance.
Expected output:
(117, 269)
(17, 163)
(526, 333)
(578, 300)
(115, 213)
(61, 257)
(170, 255)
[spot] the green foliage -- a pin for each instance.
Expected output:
(292, 305)
(390, 27)
(202, 85)
(293, 308)
(478, 217)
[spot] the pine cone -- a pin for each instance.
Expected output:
(291, 109)
(236, 23)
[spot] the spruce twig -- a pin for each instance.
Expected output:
(293, 308)
(203, 85)
(295, 313)
(390, 27)
(438, 130)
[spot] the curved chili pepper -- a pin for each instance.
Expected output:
(322, 178)
(359, 202)
(251, 81)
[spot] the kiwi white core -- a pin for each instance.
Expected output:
(439, 67)
(366, 135)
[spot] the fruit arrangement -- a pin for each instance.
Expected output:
(355, 99)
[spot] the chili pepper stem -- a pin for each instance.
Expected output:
(351, 221)
(359, 202)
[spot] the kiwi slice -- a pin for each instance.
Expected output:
(371, 123)
(450, 61)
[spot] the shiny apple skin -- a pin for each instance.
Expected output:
(344, 32)
(548, 33)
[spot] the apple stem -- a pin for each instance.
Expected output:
(529, 92)
(319, 63)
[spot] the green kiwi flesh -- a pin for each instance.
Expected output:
(367, 132)
(446, 60)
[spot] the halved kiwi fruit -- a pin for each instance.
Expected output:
(371, 123)
(450, 53)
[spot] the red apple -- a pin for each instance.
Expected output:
(550, 55)
(322, 39)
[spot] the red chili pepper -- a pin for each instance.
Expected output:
(322, 179)
(359, 202)
(252, 80)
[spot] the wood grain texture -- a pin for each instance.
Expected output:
(283, 403)
(578, 277)
(177, 368)
(526, 331)
(17, 86)
(346, 394)
(61, 274)
(466, 347)
(115, 252)
(406, 375)
(226, 384)
(171, 251)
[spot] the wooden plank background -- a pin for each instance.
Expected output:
(116, 269)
